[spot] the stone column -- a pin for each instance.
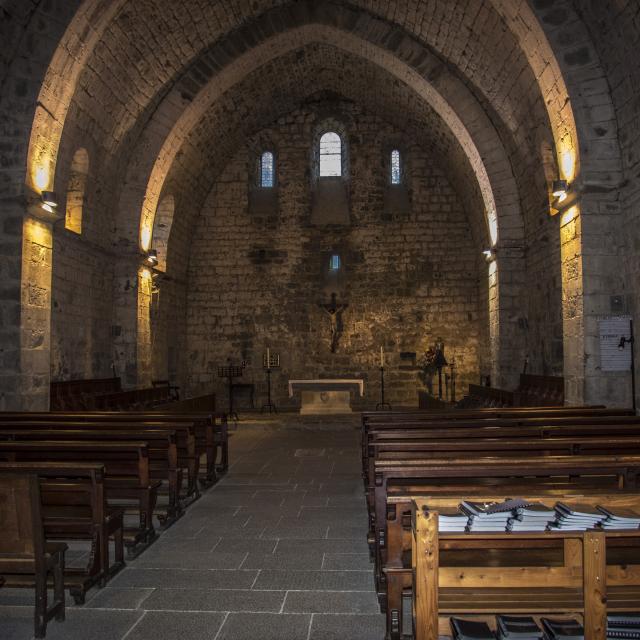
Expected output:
(507, 322)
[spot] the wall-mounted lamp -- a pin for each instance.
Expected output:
(559, 189)
(46, 208)
(49, 199)
(151, 258)
(565, 195)
(489, 254)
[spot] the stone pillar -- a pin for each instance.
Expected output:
(127, 284)
(507, 322)
(11, 231)
(25, 309)
(591, 274)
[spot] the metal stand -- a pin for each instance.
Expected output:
(453, 380)
(230, 372)
(382, 405)
(270, 361)
(270, 407)
(631, 342)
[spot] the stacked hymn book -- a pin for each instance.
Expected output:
(621, 626)
(517, 515)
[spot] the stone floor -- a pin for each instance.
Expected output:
(275, 551)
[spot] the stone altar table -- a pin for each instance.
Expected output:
(326, 396)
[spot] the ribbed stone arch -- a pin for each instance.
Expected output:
(275, 47)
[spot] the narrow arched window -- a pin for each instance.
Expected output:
(76, 191)
(395, 167)
(330, 155)
(266, 169)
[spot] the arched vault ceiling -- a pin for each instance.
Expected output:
(151, 44)
(282, 85)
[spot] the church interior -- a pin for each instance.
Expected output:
(317, 319)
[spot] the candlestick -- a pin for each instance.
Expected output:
(268, 359)
(381, 357)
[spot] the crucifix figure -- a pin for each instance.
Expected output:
(334, 310)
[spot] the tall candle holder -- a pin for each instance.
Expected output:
(269, 362)
(382, 405)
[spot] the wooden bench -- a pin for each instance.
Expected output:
(209, 435)
(611, 473)
(587, 573)
(24, 554)
(484, 426)
(429, 448)
(127, 475)
(188, 458)
(162, 447)
(75, 395)
(74, 507)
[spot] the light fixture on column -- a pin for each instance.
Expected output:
(559, 189)
(489, 254)
(151, 258)
(49, 201)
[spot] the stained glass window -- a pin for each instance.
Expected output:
(330, 155)
(334, 265)
(395, 167)
(266, 169)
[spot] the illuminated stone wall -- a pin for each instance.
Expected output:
(255, 283)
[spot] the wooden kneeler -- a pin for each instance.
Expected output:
(23, 551)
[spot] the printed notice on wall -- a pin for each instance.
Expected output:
(612, 357)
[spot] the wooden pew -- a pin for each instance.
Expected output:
(209, 435)
(430, 448)
(75, 395)
(419, 477)
(535, 390)
(162, 447)
(599, 571)
(529, 419)
(74, 507)
(127, 474)
(481, 396)
(24, 554)
(612, 471)
(188, 457)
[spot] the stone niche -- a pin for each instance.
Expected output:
(406, 280)
(330, 202)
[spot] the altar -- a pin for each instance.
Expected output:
(326, 396)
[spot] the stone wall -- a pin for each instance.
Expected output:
(256, 283)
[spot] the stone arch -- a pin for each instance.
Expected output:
(162, 229)
(76, 189)
(512, 13)
(295, 39)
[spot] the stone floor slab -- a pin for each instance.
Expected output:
(331, 602)
(315, 580)
(354, 627)
(169, 625)
(265, 626)
(215, 600)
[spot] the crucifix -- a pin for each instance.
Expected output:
(334, 311)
